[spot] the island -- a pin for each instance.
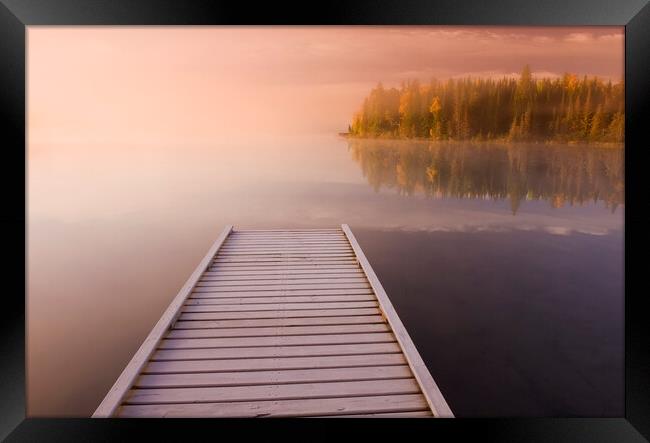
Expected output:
(564, 109)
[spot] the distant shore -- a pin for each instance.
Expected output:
(568, 110)
(490, 141)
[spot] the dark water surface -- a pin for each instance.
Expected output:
(504, 263)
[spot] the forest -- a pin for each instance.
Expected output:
(528, 109)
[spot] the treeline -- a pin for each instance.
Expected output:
(526, 109)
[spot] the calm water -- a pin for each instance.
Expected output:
(505, 263)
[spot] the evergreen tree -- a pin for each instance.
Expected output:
(564, 109)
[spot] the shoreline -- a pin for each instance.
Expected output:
(612, 145)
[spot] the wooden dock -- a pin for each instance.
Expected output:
(278, 323)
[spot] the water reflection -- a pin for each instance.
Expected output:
(115, 229)
(560, 175)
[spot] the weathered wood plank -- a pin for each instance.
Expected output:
(291, 238)
(281, 299)
(273, 392)
(283, 230)
(306, 247)
(274, 238)
(285, 251)
(278, 314)
(286, 261)
(311, 251)
(288, 281)
(275, 377)
(278, 306)
(235, 235)
(267, 322)
(250, 234)
(267, 364)
(277, 331)
(114, 396)
(320, 235)
(283, 267)
(275, 352)
(286, 288)
(420, 414)
(279, 255)
(338, 238)
(259, 237)
(241, 235)
(286, 234)
(289, 257)
(261, 273)
(280, 293)
(240, 271)
(313, 238)
(286, 246)
(343, 407)
(280, 276)
(284, 340)
(324, 246)
(288, 242)
(430, 389)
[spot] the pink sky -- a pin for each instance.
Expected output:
(192, 84)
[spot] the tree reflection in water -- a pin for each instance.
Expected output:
(560, 174)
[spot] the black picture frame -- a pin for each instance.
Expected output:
(15, 15)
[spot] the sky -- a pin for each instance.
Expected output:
(194, 84)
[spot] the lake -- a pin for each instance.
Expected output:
(505, 262)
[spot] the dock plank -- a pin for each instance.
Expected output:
(275, 377)
(286, 288)
(284, 261)
(263, 273)
(283, 340)
(274, 352)
(281, 276)
(269, 244)
(338, 407)
(278, 314)
(280, 293)
(279, 299)
(277, 331)
(322, 247)
(262, 364)
(266, 322)
(287, 280)
(273, 392)
(397, 414)
(279, 306)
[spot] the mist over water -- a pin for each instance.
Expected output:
(505, 263)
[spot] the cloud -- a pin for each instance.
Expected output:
(579, 37)
(611, 37)
(543, 39)
(558, 230)
(494, 74)
(497, 74)
(546, 74)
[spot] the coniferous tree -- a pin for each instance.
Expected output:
(523, 109)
